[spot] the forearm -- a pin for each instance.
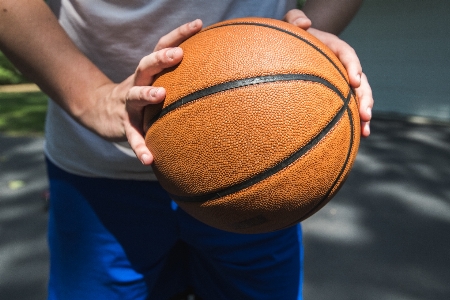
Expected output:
(331, 15)
(33, 40)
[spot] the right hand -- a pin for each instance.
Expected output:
(347, 55)
(125, 102)
(112, 111)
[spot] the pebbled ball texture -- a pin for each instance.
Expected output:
(259, 128)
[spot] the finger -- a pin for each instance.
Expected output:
(365, 98)
(140, 96)
(137, 143)
(350, 60)
(365, 129)
(298, 18)
(155, 62)
(366, 102)
(344, 52)
(137, 98)
(179, 35)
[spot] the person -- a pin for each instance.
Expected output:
(113, 232)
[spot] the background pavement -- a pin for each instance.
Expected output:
(386, 235)
(23, 219)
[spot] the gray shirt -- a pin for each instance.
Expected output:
(115, 35)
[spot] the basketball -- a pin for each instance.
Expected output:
(259, 128)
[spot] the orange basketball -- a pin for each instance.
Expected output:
(259, 128)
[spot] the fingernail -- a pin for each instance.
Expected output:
(367, 131)
(154, 92)
(358, 77)
(145, 158)
(369, 112)
(193, 24)
(297, 22)
(170, 53)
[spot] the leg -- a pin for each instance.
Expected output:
(109, 239)
(234, 266)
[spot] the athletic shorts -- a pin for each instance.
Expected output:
(125, 239)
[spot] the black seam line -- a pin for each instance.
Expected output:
(242, 83)
(344, 166)
(275, 169)
(352, 131)
(287, 32)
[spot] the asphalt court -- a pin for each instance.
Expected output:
(384, 236)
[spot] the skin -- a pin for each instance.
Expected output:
(326, 19)
(114, 110)
(331, 15)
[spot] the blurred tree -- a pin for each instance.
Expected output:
(300, 3)
(8, 73)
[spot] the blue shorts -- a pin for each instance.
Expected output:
(125, 239)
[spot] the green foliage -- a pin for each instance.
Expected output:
(8, 73)
(22, 113)
(300, 3)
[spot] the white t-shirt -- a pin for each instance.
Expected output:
(115, 35)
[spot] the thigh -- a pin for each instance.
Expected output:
(109, 239)
(225, 265)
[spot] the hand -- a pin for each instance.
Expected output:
(113, 111)
(126, 101)
(349, 59)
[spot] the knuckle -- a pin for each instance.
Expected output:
(142, 63)
(183, 30)
(142, 94)
(162, 43)
(159, 57)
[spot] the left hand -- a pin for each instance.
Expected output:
(349, 59)
(138, 89)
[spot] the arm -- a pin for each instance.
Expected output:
(327, 18)
(31, 37)
(331, 15)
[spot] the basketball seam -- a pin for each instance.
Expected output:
(344, 166)
(238, 84)
(285, 31)
(275, 169)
